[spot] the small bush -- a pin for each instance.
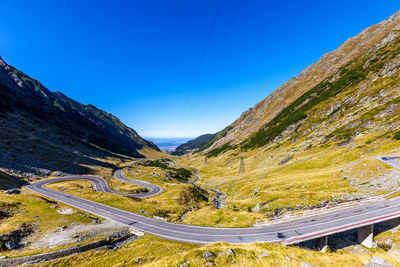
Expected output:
(162, 213)
(396, 136)
(192, 196)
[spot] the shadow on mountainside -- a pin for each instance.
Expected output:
(8, 181)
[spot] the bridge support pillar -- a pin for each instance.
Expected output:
(395, 222)
(365, 235)
(322, 244)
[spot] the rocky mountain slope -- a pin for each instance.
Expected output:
(321, 148)
(363, 71)
(42, 131)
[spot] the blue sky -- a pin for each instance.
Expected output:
(176, 68)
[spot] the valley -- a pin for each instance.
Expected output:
(309, 176)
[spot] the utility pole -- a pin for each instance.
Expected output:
(205, 160)
(241, 170)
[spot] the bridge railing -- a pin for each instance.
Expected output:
(306, 213)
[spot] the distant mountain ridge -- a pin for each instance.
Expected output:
(28, 110)
(168, 144)
(194, 144)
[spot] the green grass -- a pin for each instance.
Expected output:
(219, 150)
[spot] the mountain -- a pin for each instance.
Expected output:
(346, 93)
(168, 144)
(194, 144)
(45, 131)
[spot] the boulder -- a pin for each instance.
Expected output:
(256, 208)
(13, 191)
(66, 211)
(262, 255)
(230, 252)
(10, 245)
(185, 264)
(378, 262)
(208, 255)
(306, 264)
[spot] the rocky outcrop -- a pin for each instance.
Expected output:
(11, 240)
(378, 262)
(115, 241)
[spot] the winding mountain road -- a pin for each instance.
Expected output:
(287, 233)
(153, 189)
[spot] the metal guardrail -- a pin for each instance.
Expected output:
(307, 213)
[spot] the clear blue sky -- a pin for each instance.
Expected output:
(139, 60)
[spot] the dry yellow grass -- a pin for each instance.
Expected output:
(122, 186)
(166, 202)
(152, 251)
(162, 203)
(32, 208)
(153, 154)
(309, 178)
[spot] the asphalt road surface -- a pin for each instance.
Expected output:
(288, 232)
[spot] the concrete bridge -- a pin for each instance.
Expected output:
(365, 229)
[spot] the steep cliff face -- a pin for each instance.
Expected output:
(328, 68)
(34, 119)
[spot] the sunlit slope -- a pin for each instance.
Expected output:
(318, 150)
(358, 64)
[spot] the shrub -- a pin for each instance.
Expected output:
(192, 196)
(396, 136)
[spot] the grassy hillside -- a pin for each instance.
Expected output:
(261, 120)
(152, 251)
(368, 84)
(318, 150)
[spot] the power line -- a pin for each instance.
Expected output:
(226, 33)
(200, 63)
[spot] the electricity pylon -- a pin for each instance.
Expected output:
(241, 170)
